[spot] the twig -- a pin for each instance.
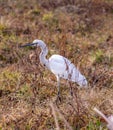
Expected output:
(109, 120)
(62, 117)
(54, 115)
(101, 114)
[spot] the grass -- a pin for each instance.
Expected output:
(83, 34)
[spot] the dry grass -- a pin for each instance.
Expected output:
(81, 32)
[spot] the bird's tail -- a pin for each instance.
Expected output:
(77, 77)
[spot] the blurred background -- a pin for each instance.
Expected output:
(79, 30)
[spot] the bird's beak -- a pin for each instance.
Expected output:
(28, 44)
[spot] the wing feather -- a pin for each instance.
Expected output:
(61, 66)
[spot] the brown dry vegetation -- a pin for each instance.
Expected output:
(82, 32)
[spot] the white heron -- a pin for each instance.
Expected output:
(59, 65)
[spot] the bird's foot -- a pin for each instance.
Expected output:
(58, 99)
(71, 92)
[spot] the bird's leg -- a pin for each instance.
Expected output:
(58, 87)
(71, 90)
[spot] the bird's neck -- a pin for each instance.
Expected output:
(43, 60)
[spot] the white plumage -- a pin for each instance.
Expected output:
(63, 68)
(59, 65)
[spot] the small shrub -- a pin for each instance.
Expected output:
(50, 20)
(47, 17)
(9, 79)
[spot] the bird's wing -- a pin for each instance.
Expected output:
(61, 66)
(58, 64)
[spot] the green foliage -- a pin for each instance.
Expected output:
(2, 58)
(2, 27)
(28, 127)
(25, 91)
(98, 56)
(50, 19)
(36, 12)
(97, 125)
(9, 79)
(4, 31)
(47, 17)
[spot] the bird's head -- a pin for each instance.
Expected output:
(35, 43)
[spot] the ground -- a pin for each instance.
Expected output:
(80, 31)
